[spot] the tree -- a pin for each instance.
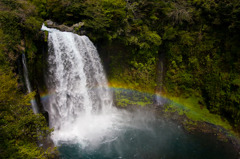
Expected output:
(21, 130)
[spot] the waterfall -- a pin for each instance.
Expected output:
(29, 88)
(159, 100)
(81, 102)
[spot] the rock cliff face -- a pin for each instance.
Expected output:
(76, 28)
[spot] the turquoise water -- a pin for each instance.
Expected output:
(157, 140)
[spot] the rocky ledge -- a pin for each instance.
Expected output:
(76, 28)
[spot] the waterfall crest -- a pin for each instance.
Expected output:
(27, 82)
(78, 85)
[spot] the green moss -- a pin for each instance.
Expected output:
(236, 82)
(46, 36)
(126, 97)
(196, 112)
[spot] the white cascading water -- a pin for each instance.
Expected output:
(80, 106)
(27, 82)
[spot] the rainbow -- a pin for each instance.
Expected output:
(116, 86)
(46, 95)
(189, 106)
(179, 104)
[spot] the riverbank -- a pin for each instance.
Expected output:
(198, 127)
(187, 113)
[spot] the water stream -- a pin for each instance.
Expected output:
(27, 82)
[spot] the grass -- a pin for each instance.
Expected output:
(193, 110)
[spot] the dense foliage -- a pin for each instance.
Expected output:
(21, 131)
(198, 39)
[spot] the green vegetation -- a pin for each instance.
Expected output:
(198, 39)
(21, 131)
(196, 112)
